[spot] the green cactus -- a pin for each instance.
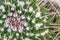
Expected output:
(24, 20)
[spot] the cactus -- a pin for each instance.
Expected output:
(24, 20)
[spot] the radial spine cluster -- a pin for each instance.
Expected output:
(21, 19)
